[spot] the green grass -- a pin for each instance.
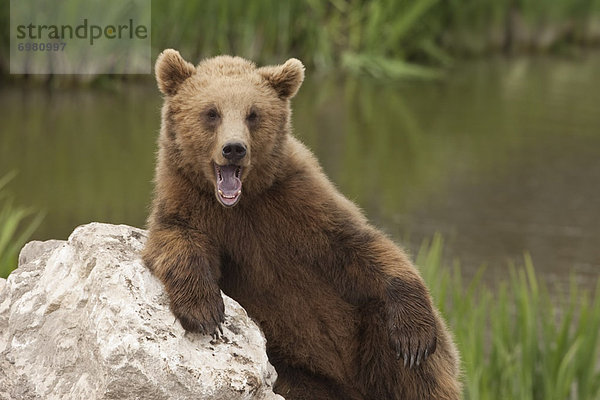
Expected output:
(516, 342)
(16, 226)
(384, 38)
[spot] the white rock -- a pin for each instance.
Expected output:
(84, 319)
(35, 249)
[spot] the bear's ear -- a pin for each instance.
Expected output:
(171, 70)
(286, 78)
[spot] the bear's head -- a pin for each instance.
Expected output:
(225, 122)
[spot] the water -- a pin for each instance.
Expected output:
(501, 158)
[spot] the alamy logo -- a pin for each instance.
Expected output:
(80, 36)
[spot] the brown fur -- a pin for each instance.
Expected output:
(342, 307)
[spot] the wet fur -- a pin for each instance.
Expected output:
(337, 300)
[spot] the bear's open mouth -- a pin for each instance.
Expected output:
(229, 184)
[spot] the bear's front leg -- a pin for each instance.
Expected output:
(186, 263)
(411, 322)
(368, 267)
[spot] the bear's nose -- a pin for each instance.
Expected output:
(234, 151)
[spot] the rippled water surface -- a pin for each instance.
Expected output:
(501, 158)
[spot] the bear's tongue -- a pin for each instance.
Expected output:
(229, 184)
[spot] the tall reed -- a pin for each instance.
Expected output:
(384, 38)
(16, 226)
(517, 342)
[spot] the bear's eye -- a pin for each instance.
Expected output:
(212, 115)
(252, 117)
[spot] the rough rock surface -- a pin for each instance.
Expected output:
(84, 319)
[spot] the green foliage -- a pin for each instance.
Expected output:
(379, 38)
(384, 38)
(387, 38)
(517, 342)
(16, 226)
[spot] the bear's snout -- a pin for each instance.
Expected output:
(234, 151)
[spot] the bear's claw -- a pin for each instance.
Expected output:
(414, 344)
(205, 318)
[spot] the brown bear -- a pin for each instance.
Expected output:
(243, 206)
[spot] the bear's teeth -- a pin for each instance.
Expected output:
(230, 197)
